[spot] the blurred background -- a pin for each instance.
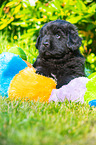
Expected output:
(21, 20)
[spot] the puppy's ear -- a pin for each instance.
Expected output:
(37, 43)
(74, 41)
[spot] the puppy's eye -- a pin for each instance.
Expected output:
(57, 36)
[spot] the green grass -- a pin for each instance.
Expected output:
(35, 123)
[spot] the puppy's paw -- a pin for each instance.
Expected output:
(40, 71)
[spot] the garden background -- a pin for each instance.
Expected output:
(21, 20)
(35, 123)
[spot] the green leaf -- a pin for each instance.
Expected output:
(19, 23)
(92, 9)
(11, 3)
(81, 6)
(5, 24)
(17, 9)
(74, 19)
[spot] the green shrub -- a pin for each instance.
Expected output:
(24, 20)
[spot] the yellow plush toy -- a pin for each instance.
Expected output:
(28, 85)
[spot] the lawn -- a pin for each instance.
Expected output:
(35, 123)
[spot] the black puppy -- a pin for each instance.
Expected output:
(59, 55)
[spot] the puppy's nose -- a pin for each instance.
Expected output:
(45, 43)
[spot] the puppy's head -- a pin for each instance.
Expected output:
(57, 38)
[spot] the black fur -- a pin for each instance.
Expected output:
(59, 56)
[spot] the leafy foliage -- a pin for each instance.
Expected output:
(24, 18)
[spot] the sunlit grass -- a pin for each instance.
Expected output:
(28, 123)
